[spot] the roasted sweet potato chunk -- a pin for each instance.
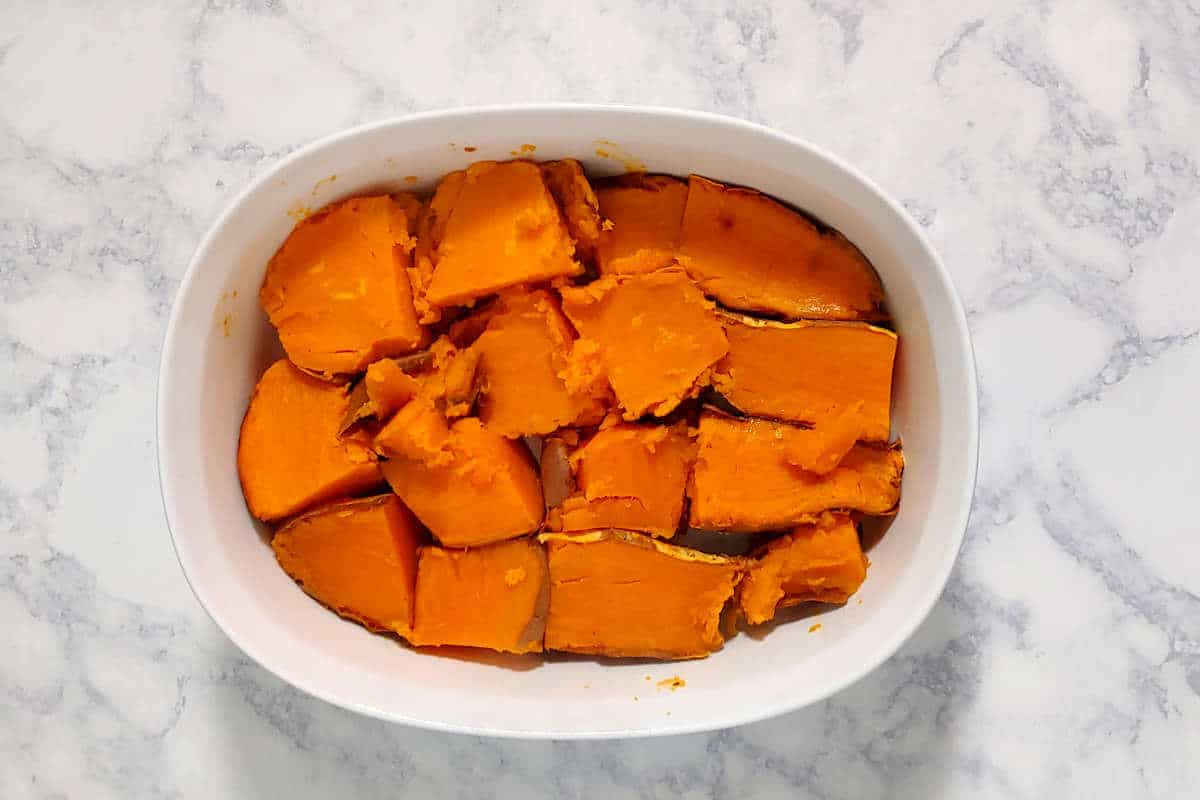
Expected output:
(357, 557)
(504, 229)
(630, 477)
(289, 454)
(809, 372)
(755, 254)
(493, 596)
(467, 484)
(338, 289)
(617, 593)
(645, 212)
(430, 228)
(821, 562)
(443, 375)
(749, 475)
(574, 195)
(534, 381)
(656, 336)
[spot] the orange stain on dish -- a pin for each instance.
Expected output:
(410, 179)
(607, 148)
(524, 150)
(816, 626)
(317, 186)
(674, 682)
(299, 212)
(470, 149)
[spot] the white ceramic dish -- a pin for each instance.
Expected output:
(218, 342)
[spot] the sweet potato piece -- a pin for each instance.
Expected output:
(752, 253)
(467, 484)
(494, 596)
(574, 195)
(821, 562)
(358, 557)
(289, 454)
(443, 375)
(809, 372)
(389, 387)
(617, 593)
(645, 212)
(430, 228)
(656, 336)
(533, 382)
(338, 290)
(748, 476)
(503, 230)
(630, 477)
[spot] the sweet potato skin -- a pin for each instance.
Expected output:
(290, 456)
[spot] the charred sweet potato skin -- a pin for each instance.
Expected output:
(358, 557)
(746, 478)
(467, 484)
(621, 594)
(655, 335)
(290, 456)
(752, 253)
(492, 597)
(338, 289)
(819, 562)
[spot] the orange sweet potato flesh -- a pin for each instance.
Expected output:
(752, 253)
(645, 212)
(809, 372)
(656, 336)
(389, 387)
(504, 229)
(533, 380)
(821, 562)
(338, 289)
(443, 375)
(493, 596)
(358, 557)
(749, 476)
(617, 593)
(290, 456)
(575, 196)
(467, 484)
(630, 477)
(430, 228)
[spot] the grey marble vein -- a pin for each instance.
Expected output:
(1050, 151)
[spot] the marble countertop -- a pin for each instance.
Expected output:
(1049, 149)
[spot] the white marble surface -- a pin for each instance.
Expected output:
(1052, 152)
